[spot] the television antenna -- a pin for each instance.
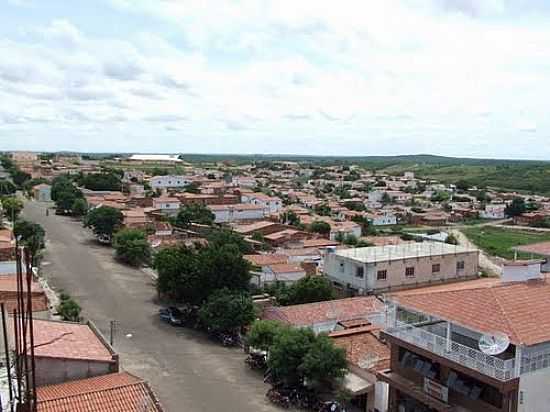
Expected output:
(493, 343)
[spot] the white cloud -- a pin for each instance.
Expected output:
(357, 76)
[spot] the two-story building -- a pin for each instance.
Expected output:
(376, 269)
(169, 182)
(478, 350)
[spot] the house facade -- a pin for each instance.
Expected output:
(382, 268)
(169, 182)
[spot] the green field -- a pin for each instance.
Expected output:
(499, 241)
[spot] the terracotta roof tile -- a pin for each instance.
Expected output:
(519, 309)
(68, 340)
(117, 392)
(363, 348)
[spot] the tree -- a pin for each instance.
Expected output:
(65, 200)
(386, 198)
(323, 209)
(108, 180)
(350, 240)
(287, 353)
(68, 308)
(307, 290)
(7, 187)
(31, 236)
(290, 218)
(262, 334)
(462, 185)
(440, 196)
(20, 177)
(61, 184)
(227, 311)
(12, 207)
(192, 187)
(323, 363)
(193, 275)
(320, 227)
(131, 246)
(516, 207)
(221, 237)
(194, 213)
(103, 220)
(79, 207)
(451, 239)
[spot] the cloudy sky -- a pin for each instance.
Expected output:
(451, 77)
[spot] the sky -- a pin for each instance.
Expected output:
(317, 77)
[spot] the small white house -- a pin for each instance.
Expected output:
(169, 181)
(167, 205)
(270, 204)
(237, 212)
(382, 218)
(493, 211)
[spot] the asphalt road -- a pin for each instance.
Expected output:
(188, 372)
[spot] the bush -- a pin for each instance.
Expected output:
(131, 247)
(68, 309)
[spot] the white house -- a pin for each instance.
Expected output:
(382, 218)
(493, 211)
(167, 205)
(169, 181)
(236, 212)
(270, 204)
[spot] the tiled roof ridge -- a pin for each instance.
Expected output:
(505, 316)
(91, 391)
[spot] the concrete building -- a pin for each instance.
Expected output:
(42, 193)
(66, 351)
(167, 205)
(381, 268)
(237, 212)
(439, 361)
(169, 182)
(493, 211)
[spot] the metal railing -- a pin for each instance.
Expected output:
(471, 358)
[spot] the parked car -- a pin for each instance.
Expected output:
(172, 315)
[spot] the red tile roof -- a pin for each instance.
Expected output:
(117, 392)
(312, 313)
(266, 259)
(518, 309)
(363, 348)
(67, 340)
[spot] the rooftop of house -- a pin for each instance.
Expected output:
(402, 251)
(320, 242)
(312, 313)
(116, 392)
(266, 259)
(285, 268)
(68, 340)
(363, 347)
(253, 226)
(518, 309)
(237, 206)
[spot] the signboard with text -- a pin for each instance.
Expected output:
(436, 390)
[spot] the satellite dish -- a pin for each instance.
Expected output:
(493, 343)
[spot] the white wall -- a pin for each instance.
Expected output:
(534, 393)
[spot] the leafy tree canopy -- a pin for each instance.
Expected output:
(194, 213)
(103, 220)
(227, 310)
(262, 334)
(320, 227)
(109, 180)
(131, 246)
(516, 207)
(12, 207)
(32, 235)
(7, 187)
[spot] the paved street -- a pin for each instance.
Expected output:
(189, 373)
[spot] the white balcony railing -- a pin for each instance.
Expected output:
(471, 358)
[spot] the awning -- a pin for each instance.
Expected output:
(355, 384)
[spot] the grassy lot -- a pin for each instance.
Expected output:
(499, 241)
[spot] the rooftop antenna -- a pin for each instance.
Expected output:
(493, 343)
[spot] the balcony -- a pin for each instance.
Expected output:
(492, 366)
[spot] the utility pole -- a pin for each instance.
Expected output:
(113, 330)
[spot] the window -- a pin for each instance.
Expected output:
(460, 265)
(436, 268)
(409, 272)
(360, 272)
(341, 267)
(382, 274)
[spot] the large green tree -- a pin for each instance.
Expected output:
(194, 213)
(222, 237)
(108, 180)
(227, 311)
(193, 275)
(12, 207)
(324, 363)
(19, 177)
(103, 220)
(516, 207)
(307, 290)
(79, 207)
(262, 334)
(320, 227)
(31, 235)
(131, 246)
(7, 187)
